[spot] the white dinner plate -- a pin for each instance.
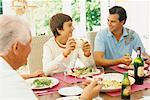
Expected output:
(125, 66)
(31, 80)
(115, 76)
(70, 91)
(145, 98)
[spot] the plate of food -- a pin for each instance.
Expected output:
(112, 82)
(42, 82)
(84, 72)
(131, 66)
(131, 73)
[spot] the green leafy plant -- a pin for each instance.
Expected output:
(1, 7)
(92, 14)
(75, 10)
(45, 10)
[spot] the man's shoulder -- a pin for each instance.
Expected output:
(132, 35)
(130, 31)
(103, 32)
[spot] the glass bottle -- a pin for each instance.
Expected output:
(138, 68)
(126, 88)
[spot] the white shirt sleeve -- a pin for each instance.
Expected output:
(51, 64)
(87, 61)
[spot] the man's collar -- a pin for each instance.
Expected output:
(109, 33)
(5, 63)
(125, 33)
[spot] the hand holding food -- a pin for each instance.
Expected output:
(86, 49)
(128, 55)
(70, 46)
(126, 60)
(79, 43)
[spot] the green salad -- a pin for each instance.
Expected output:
(42, 82)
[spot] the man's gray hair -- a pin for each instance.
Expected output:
(12, 29)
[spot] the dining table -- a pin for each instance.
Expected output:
(134, 96)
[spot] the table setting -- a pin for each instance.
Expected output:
(43, 88)
(111, 84)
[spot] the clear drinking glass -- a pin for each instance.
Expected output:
(66, 71)
(145, 57)
(101, 75)
(101, 71)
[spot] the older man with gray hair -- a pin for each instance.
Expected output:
(15, 45)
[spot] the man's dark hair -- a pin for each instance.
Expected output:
(120, 11)
(57, 21)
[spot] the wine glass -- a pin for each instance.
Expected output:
(65, 74)
(99, 76)
(66, 71)
(145, 56)
(101, 73)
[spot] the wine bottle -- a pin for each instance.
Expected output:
(126, 88)
(138, 68)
